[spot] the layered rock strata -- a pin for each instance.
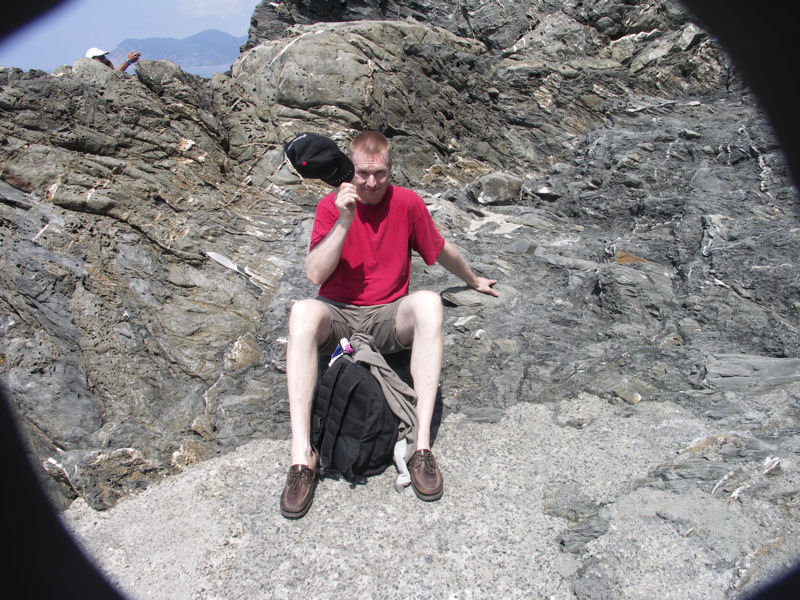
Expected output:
(601, 160)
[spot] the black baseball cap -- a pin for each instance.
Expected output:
(315, 156)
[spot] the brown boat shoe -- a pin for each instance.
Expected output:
(426, 478)
(298, 493)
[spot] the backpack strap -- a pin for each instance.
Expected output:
(322, 404)
(343, 382)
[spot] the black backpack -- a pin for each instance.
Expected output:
(352, 426)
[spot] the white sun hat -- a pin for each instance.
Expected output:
(92, 52)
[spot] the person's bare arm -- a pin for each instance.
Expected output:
(322, 260)
(451, 259)
(132, 58)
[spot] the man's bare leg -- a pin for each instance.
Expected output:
(309, 326)
(419, 322)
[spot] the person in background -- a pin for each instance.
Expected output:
(102, 57)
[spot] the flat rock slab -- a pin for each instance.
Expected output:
(534, 506)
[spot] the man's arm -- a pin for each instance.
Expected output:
(451, 259)
(323, 259)
(132, 58)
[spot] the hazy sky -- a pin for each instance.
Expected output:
(64, 34)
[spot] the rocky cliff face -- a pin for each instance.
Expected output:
(601, 159)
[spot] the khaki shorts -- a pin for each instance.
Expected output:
(377, 321)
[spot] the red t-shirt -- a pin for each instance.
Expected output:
(376, 256)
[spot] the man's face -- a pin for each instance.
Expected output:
(371, 175)
(103, 59)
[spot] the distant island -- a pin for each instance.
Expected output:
(205, 53)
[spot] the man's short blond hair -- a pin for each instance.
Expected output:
(370, 143)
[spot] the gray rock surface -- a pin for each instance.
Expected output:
(547, 503)
(602, 160)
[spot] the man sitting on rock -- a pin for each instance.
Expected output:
(360, 255)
